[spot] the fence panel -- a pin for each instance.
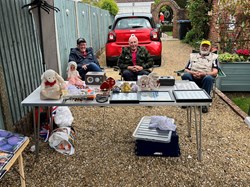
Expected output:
(89, 22)
(84, 23)
(77, 19)
(66, 31)
(21, 57)
(95, 29)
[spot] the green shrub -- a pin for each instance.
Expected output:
(181, 3)
(192, 39)
(227, 57)
(166, 28)
(197, 13)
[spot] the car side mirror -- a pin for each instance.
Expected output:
(110, 26)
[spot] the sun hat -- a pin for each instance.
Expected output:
(80, 40)
(206, 42)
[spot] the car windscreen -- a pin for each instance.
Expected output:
(132, 23)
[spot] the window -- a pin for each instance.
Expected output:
(133, 23)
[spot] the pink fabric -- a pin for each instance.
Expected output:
(75, 81)
(134, 58)
(74, 78)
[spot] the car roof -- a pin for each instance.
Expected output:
(149, 15)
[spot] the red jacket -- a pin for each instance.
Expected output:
(161, 17)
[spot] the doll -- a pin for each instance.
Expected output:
(73, 75)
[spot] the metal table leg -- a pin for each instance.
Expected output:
(50, 118)
(34, 123)
(189, 115)
(196, 129)
(36, 129)
(200, 133)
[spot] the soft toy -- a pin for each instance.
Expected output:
(149, 82)
(63, 117)
(125, 87)
(108, 84)
(143, 83)
(51, 85)
(154, 82)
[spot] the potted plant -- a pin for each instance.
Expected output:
(236, 66)
(244, 54)
(229, 58)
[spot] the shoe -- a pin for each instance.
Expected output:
(204, 109)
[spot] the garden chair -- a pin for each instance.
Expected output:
(219, 75)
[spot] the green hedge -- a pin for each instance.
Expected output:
(166, 28)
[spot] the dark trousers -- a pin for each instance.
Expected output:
(205, 83)
(90, 67)
(132, 76)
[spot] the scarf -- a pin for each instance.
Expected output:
(47, 83)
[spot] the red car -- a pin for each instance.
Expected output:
(145, 29)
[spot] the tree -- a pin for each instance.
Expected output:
(181, 3)
(232, 23)
(109, 5)
(198, 15)
(91, 2)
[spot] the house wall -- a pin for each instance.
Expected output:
(144, 7)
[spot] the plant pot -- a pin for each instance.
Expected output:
(237, 77)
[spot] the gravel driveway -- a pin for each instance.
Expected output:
(105, 148)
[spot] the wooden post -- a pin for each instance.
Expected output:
(4, 103)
